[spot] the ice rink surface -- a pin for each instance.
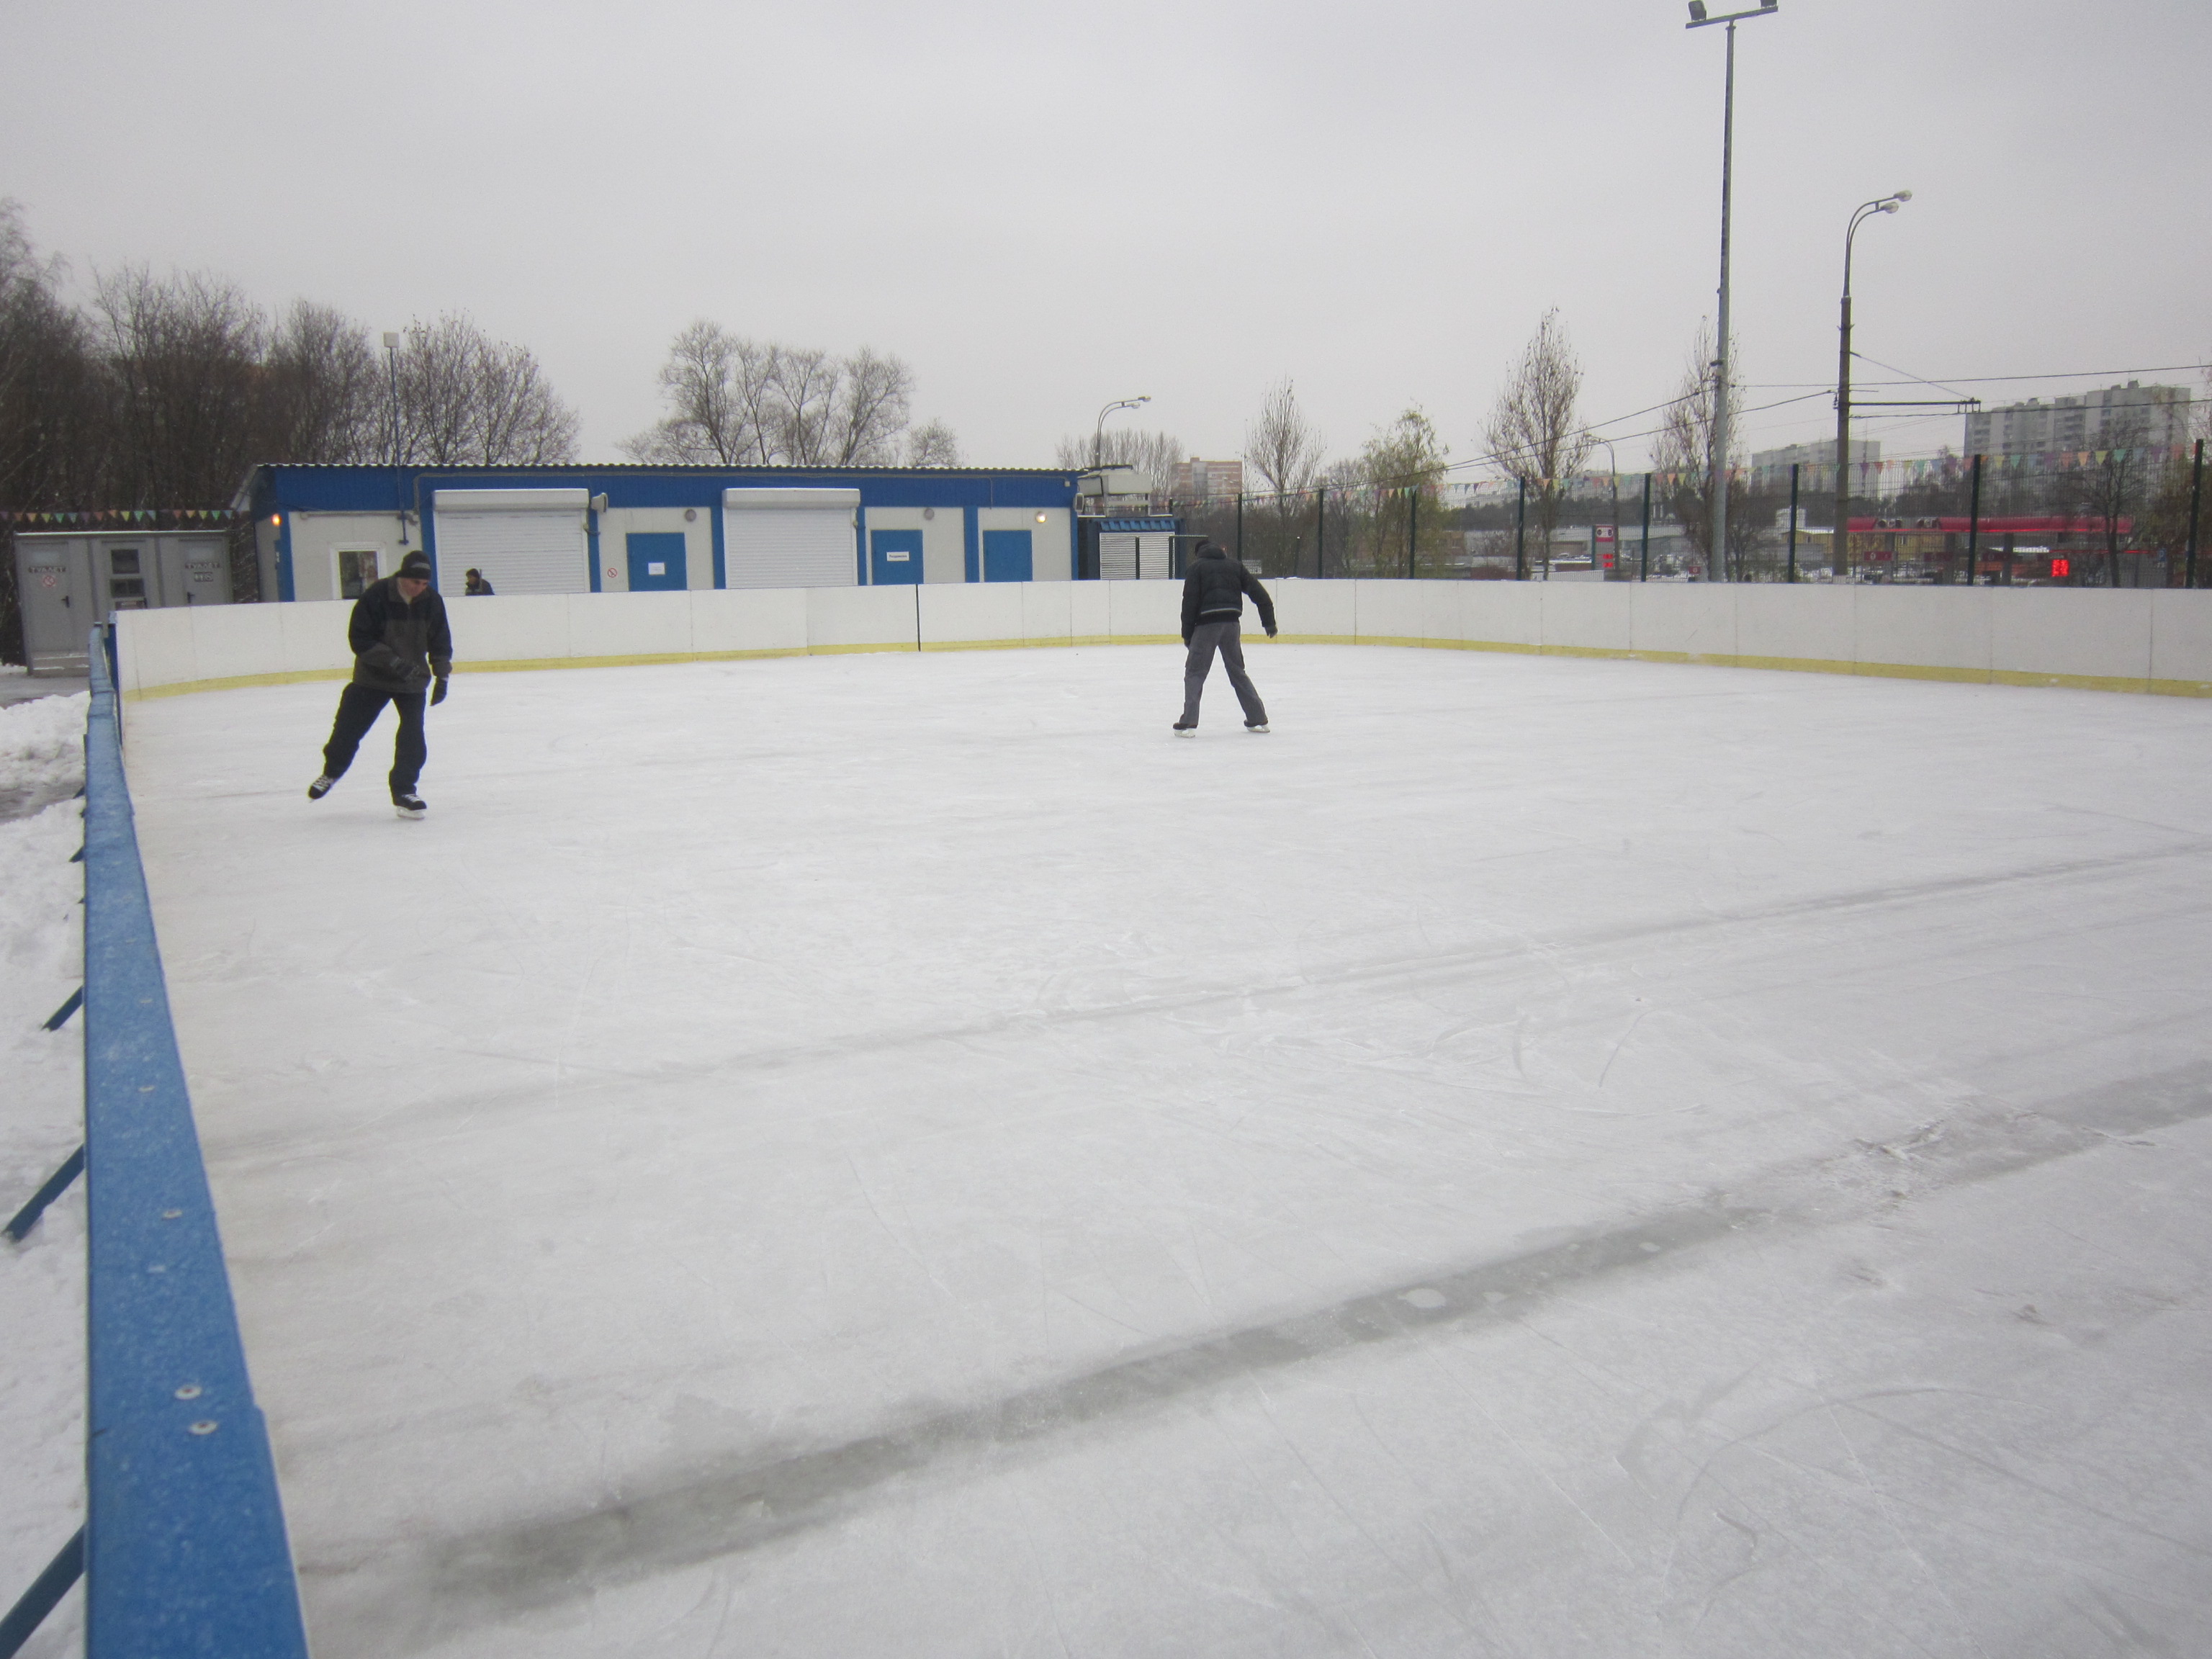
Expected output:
(899, 1155)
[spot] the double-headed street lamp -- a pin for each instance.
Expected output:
(1839, 545)
(1098, 434)
(1717, 562)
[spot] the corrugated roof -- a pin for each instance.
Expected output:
(649, 466)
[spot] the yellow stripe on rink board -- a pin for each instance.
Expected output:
(2138, 685)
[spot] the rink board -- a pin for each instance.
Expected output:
(898, 1154)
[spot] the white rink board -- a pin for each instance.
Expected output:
(897, 1154)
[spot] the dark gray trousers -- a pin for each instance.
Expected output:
(1204, 639)
(358, 707)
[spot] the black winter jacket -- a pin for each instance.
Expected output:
(1213, 591)
(397, 647)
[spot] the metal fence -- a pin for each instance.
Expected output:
(184, 1552)
(2123, 518)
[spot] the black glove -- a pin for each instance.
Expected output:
(437, 692)
(1271, 630)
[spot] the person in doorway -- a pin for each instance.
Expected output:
(401, 646)
(1212, 607)
(477, 588)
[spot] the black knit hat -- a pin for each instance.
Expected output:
(415, 568)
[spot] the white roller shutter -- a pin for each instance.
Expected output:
(1124, 556)
(790, 538)
(525, 541)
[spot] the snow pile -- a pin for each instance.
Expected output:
(42, 1288)
(41, 752)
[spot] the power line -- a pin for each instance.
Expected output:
(1979, 380)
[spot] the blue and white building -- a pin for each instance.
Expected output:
(325, 532)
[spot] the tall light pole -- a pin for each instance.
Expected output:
(1839, 544)
(1098, 433)
(1717, 562)
(398, 498)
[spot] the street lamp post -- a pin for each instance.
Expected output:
(1717, 562)
(1839, 544)
(1098, 434)
(398, 499)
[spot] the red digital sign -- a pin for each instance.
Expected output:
(2061, 567)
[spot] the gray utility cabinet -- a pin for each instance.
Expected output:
(67, 580)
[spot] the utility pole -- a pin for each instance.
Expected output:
(1974, 525)
(2195, 498)
(1521, 534)
(1793, 521)
(1413, 526)
(1643, 545)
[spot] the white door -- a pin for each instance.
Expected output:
(791, 538)
(525, 541)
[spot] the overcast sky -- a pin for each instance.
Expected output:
(1043, 209)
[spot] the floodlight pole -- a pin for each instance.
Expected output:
(1717, 562)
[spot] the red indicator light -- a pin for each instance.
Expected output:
(2061, 567)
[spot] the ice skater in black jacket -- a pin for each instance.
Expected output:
(1212, 602)
(400, 645)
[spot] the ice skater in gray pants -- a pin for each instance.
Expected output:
(1213, 605)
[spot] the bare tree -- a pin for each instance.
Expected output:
(711, 415)
(733, 401)
(2114, 485)
(1403, 467)
(1683, 459)
(468, 400)
(931, 444)
(1281, 445)
(1535, 430)
(182, 359)
(52, 439)
(872, 404)
(323, 395)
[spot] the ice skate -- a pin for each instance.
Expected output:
(1186, 728)
(409, 806)
(320, 788)
(1259, 726)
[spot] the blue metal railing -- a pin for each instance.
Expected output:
(185, 1552)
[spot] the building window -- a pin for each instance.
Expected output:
(356, 570)
(126, 585)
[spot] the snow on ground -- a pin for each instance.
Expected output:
(899, 1155)
(41, 1120)
(41, 752)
